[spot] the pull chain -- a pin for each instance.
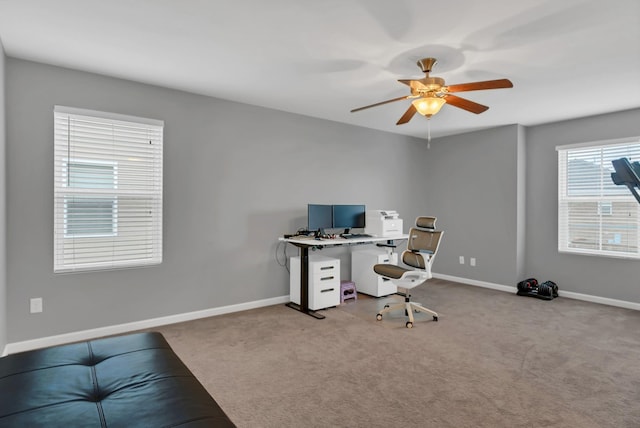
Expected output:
(428, 133)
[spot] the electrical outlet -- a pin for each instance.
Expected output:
(472, 261)
(461, 260)
(36, 305)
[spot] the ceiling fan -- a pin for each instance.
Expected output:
(430, 94)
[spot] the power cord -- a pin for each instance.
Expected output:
(284, 263)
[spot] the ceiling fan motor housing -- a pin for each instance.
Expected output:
(432, 83)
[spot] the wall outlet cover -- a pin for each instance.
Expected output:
(35, 305)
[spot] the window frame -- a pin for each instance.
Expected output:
(603, 195)
(133, 148)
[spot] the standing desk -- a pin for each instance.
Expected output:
(304, 244)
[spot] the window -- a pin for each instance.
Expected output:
(107, 192)
(595, 216)
(90, 215)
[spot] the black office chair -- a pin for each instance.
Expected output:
(422, 247)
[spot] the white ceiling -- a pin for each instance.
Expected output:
(567, 59)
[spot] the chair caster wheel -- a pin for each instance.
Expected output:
(435, 318)
(409, 324)
(386, 306)
(379, 317)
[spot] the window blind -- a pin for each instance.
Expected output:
(107, 190)
(595, 216)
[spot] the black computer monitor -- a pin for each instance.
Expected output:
(348, 217)
(319, 217)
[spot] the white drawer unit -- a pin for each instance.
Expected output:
(367, 281)
(324, 281)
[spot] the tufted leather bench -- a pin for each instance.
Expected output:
(134, 380)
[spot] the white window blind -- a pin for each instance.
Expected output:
(107, 191)
(595, 216)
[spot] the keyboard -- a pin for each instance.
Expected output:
(356, 235)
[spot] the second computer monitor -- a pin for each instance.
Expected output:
(348, 216)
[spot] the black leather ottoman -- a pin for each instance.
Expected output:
(134, 380)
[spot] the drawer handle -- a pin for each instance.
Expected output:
(326, 267)
(326, 278)
(385, 279)
(385, 261)
(326, 290)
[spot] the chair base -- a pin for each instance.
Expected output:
(408, 307)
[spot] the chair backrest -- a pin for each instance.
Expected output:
(423, 243)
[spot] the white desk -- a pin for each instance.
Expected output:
(306, 243)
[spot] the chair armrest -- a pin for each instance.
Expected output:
(415, 275)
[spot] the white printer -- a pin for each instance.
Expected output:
(383, 223)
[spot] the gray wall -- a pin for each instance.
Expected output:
(599, 276)
(238, 176)
(472, 187)
(3, 222)
(495, 194)
(235, 178)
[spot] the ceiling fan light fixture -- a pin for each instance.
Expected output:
(428, 106)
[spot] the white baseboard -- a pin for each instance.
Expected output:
(27, 345)
(567, 294)
(77, 336)
(507, 288)
(601, 300)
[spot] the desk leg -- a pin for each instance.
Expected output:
(304, 286)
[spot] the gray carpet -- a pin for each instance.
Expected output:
(493, 359)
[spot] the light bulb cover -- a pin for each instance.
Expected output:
(428, 106)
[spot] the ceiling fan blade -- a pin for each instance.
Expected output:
(381, 103)
(477, 86)
(465, 104)
(406, 117)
